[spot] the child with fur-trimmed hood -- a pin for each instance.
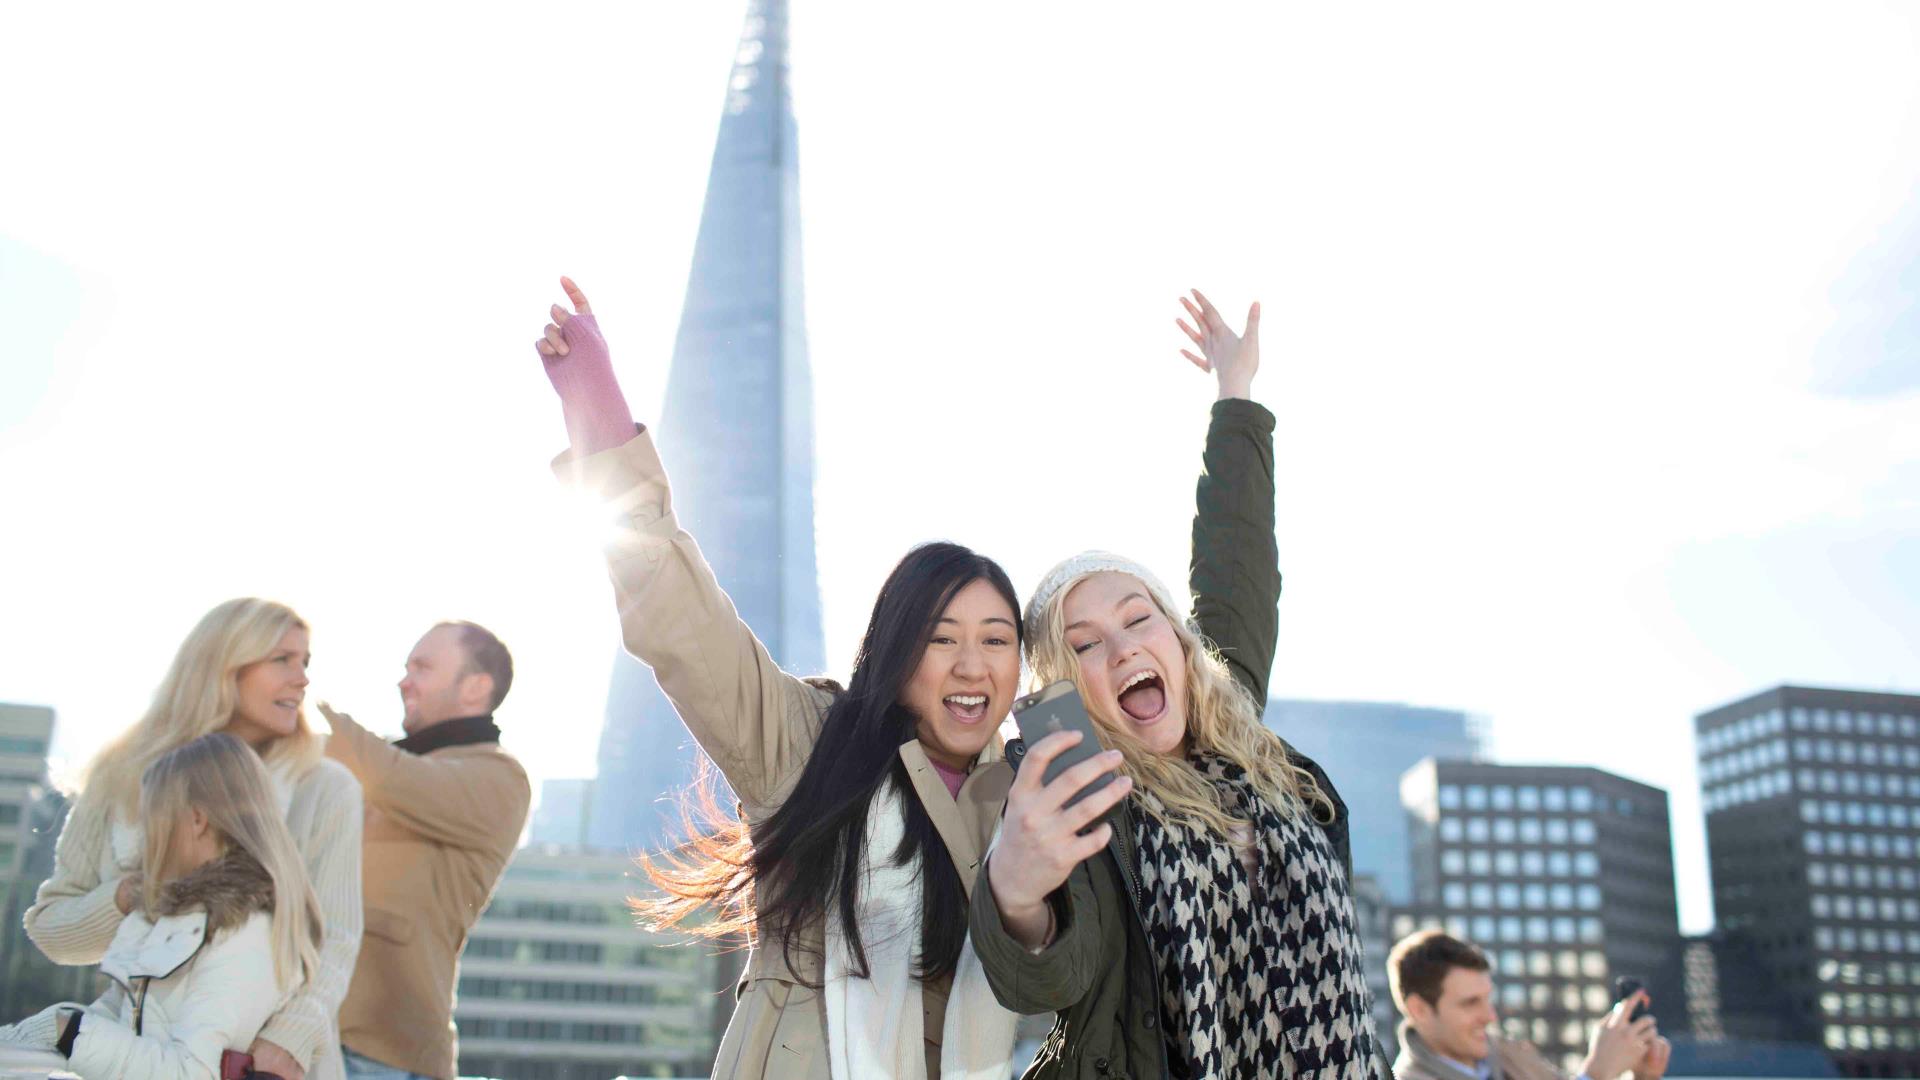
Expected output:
(226, 928)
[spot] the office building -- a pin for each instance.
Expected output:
(31, 813)
(558, 983)
(1812, 799)
(561, 817)
(1563, 875)
(736, 431)
(1365, 746)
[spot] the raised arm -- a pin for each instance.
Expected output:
(75, 913)
(467, 802)
(757, 722)
(1235, 568)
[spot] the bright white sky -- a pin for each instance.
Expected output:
(1591, 331)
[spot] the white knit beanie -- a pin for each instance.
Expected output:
(1079, 566)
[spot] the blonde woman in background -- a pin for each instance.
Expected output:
(242, 671)
(224, 927)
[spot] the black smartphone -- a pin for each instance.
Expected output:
(1059, 708)
(1625, 987)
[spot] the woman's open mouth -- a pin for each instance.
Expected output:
(1143, 697)
(966, 708)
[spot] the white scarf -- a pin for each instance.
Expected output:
(874, 1025)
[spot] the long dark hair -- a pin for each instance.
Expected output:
(806, 856)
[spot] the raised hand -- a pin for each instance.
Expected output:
(1232, 358)
(1040, 841)
(1620, 1041)
(581, 370)
(1654, 1065)
(553, 341)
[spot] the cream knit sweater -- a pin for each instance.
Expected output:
(73, 918)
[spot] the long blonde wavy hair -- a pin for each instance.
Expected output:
(1222, 718)
(224, 779)
(198, 697)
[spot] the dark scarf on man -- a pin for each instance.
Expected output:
(1261, 974)
(462, 732)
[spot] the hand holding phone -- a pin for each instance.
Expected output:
(1065, 785)
(1055, 709)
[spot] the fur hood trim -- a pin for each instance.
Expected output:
(229, 889)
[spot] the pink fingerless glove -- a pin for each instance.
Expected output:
(596, 412)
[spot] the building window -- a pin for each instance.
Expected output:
(1563, 930)
(1452, 861)
(1580, 800)
(1449, 796)
(1477, 830)
(1454, 895)
(1586, 864)
(1536, 897)
(1476, 797)
(1527, 797)
(1533, 863)
(1583, 830)
(1530, 830)
(1556, 830)
(1503, 830)
(1590, 897)
(1506, 864)
(1501, 797)
(1509, 896)
(1553, 798)
(1562, 897)
(1482, 894)
(1559, 864)
(1450, 829)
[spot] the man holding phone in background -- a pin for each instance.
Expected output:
(1444, 989)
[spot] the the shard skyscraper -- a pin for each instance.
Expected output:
(736, 431)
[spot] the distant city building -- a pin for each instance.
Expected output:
(736, 431)
(26, 731)
(1563, 875)
(1373, 919)
(561, 818)
(31, 813)
(1365, 746)
(558, 983)
(1812, 798)
(1729, 1022)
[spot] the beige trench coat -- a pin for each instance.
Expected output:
(759, 724)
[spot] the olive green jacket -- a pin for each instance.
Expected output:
(1099, 973)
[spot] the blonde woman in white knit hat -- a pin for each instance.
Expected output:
(1202, 927)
